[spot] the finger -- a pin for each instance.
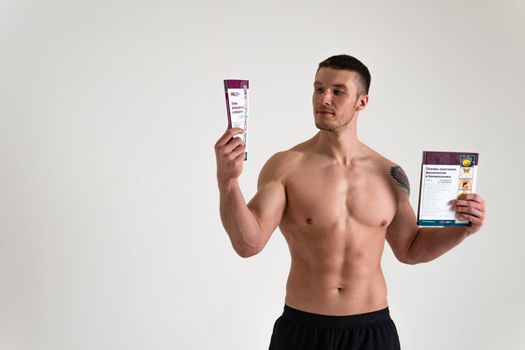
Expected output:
(227, 136)
(471, 218)
(472, 197)
(467, 203)
(231, 145)
(470, 211)
(241, 156)
(238, 152)
(460, 203)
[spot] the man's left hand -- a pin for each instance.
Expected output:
(470, 207)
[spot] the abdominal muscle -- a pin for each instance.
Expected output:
(337, 274)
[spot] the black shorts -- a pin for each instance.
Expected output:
(299, 330)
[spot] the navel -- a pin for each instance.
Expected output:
(309, 221)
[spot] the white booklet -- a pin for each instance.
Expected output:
(444, 177)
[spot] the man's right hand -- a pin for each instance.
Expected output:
(229, 151)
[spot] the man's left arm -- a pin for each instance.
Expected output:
(412, 244)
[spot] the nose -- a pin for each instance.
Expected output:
(326, 98)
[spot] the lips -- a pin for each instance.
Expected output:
(324, 112)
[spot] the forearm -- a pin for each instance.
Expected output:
(238, 220)
(432, 242)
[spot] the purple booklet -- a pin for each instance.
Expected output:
(236, 92)
(445, 176)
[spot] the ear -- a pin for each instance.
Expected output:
(362, 102)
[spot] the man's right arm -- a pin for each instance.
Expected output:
(249, 226)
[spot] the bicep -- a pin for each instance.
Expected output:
(269, 202)
(402, 230)
(268, 206)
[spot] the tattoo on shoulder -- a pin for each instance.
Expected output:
(401, 178)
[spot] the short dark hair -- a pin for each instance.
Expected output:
(346, 62)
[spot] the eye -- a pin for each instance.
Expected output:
(338, 92)
(318, 90)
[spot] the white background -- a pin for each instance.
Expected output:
(110, 236)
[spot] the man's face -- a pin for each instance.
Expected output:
(335, 98)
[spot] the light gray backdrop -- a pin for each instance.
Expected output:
(110, 235)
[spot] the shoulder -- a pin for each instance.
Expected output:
(279, 165)
(289, 158)
(400, 178)
(394, 172)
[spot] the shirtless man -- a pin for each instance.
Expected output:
(335, 201)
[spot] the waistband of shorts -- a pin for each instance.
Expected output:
(328, 321)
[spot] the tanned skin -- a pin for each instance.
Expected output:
(336, 201)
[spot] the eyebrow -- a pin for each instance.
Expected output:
(335, 85)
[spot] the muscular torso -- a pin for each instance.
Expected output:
(335, 223)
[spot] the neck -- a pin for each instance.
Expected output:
(340, 144)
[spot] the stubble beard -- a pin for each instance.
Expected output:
(330, 127)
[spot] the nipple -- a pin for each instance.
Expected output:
(383, 223)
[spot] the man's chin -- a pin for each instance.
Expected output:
(327, 125)
(324, 127)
